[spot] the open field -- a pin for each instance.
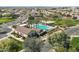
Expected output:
(75, 41)
(5, 20)
(66, 22)
(75, 44)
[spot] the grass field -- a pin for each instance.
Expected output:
(66, 22)
(5, 20)
(75, 41)
(75, 44)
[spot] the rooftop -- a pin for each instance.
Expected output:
(23, 30)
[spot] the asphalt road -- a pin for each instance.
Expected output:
(5, 30)
(72, 31)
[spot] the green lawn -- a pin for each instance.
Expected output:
(11, 45)
(75, 44)
(66, 22)
(75, 41)
(5, 20)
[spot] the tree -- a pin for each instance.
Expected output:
(14, 16)
(14, 47)
(30, 20)
(14, 26)
(33, 44)
(11, 45)
(59, 39)
(0, 15)
(42, 15)
(31, 17)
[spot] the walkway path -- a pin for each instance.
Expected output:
(19, 39)
(74, 36)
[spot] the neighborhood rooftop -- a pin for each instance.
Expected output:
(22, 29)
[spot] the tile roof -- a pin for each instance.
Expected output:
(23, 30)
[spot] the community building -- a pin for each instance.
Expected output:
(23, 31)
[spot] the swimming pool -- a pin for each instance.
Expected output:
(41, 26)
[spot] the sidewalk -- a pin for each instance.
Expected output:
(4, 38)
(19, 39)
(73, 36)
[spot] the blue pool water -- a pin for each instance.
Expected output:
(41, 26)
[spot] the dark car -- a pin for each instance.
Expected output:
(33, 34)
